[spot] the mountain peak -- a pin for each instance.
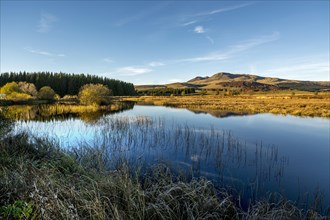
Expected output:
(197, 78)
(223, 75)
(222, 80)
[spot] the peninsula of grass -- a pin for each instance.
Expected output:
(301, 104)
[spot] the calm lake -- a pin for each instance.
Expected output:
(252, 154)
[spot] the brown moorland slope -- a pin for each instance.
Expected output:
(223, 80)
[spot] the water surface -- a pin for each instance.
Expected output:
(253, 154)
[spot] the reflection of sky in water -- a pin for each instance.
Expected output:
(303, 141)
(67, 132)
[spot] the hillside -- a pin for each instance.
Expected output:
(223, 80)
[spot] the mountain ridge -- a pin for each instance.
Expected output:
(222, 80)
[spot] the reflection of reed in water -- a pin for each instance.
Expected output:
(250, 169)
(214, 153)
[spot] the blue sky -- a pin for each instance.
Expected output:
(163, 42)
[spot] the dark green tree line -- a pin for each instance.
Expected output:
(67, 84)
(167, 91)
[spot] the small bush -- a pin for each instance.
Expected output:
(94, 94)
(46, 93)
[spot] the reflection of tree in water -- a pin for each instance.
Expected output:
(18, 112)
(88, 114)
(5, 124)
(92, 117)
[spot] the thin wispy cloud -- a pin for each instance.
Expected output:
(130, 19)
(251, 43)
(220, 10)
(108, 60)
(199, 29)
(312, 67)
(139, 15)
(43, 53)
(175, 80)
(132, 71)
(138, 70)
(45, 22)
(156, 64)
(229, 53)
(215, 56)
(253, 69)
(234, 50)
(197, 17)
(189, 23)
(210, 39)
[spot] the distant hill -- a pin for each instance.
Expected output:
(223, 80)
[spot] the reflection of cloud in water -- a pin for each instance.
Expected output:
(212, 175)
(171, 109)
(226, 178)
(292, 120)
(183, 163)
(194, 158)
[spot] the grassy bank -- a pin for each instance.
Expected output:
(38, 180)
(6, 102)
(303, 104)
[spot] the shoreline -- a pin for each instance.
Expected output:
(298, 105)
(304, 104)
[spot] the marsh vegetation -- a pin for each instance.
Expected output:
(287, 103)
(124, 172)
(143, 164)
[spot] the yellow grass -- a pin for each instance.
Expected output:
(305, 104)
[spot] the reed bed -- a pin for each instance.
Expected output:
(104, 179)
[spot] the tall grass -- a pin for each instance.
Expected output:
(57, 185)
(250, 169)
(141, 141)
(104, 179)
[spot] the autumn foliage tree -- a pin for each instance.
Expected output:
(94, 94)
(28, 88)
(14, 92)
(10, 88)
